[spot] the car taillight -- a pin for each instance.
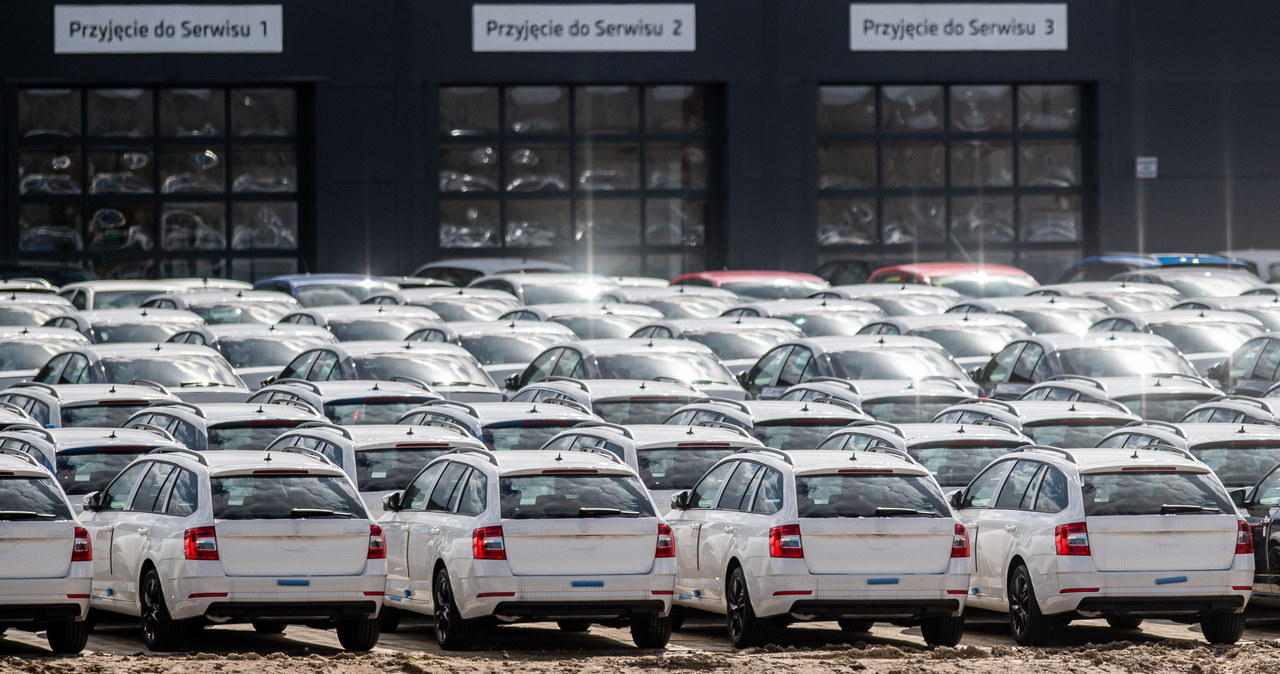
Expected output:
(1244, 539)
(784, 541)
(666, 542)
(1072, 539)
(960, 542)
(377, 543)
(200, 543)
(486, 543)
(82, 549)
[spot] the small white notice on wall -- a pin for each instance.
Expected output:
(1146, 167)
(957, 27)
(167, 29)
(579, 28)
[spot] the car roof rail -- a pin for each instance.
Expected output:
(852, 387)
(412, 381)
(943, 379)
(1077, 378)
(38, 385)
(595, 450)
(1046, 448)
(453, 403)
(996, 423)
(725, 402)
(568, 380)
(881, 448)
(1182, 375)
(875, 423)
(195, 409)
(442, 423)
(302, 404)
(769, 450)
(27, 456)
(294, 381)
(15, 409)
(181, 450)
(294, 449)
(32, 428)
(152, 428)
(1174, 428)
(675, 380)
(327, 425)
(1105, 402)
(151, 384)
(1165, 447)
(838, 403)
(567, 402)
(1256, 403)
(488, 455)
(618, 428)
(724, 424)
(1002, 404)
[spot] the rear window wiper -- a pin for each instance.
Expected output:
(902, 512)
(23, 515)
(298, 513)
(1175, 508)
(606, 512)
(202, 384)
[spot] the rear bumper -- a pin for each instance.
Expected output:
(484, 588)
(1165, 591)
(24, 599)
(1160, 606)
(301, 610)
(42, 612)
(878, 608)
(198, 586)
(555, 610)
(781, 586)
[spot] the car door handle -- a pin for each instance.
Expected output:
(107, 529)
(434, 531)
(143, 531)
(1010, 527)
(695, 526)
(729, 530)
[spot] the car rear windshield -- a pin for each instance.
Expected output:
(532, 436)
(32, 355)
(677, 468)
(554, 294)
(1162, 407)
(99, 414)
(694, 368)
(498, 349)
(1123, 361)
(972, 341)
(84, 471)
(436, 369)
(573, 495)
(242, 312)
(738, 342)
(862, 495)
(804, 434)
(601, 327)
(1240, 463)
(470, 308)
(638, 411)
(356, 412)
(392, 468)
(134, 332)
(904, 363)
(1147, 493)
(359, 329)
(265, 351)
(1058, 319)
(37, 498)
(29, 314)
(983, 285)
(251, 437)
(1206, 336)
(187, 370)
(283, 496)
(913, 410)
(786, 289)
(1070, 433)
(955, 464)
(688, 307)
(121, 299)
(912, 305)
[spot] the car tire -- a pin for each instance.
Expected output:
(390, 619)
(1028, 625)
(1124, 622)
(67, 637)
(360, 634)
(942, 631)
(651, 631)
(677, 614)
(1225, 628)
(262, 627)
(160, 632)
(574, 625)
(745, 628)
(453, 632)
(854, 625)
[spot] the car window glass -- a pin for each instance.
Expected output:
(703, 495)
(185, 433)
(415, 496)
(680, 418)
(559, 444)
(661, 333)
(1004, 362)
(565, 366)
(299, 366)
(118, 492)
(736, 486)
(541, 366)
(793, 369)
(1027, 362)
(1029, 497)
(474, 494)
(76, 366)
(764, 371)
(768, 496)
(151, 486)
(1016, 486)
(442, 495)
(1243, 359)
(1052, 496)
(1265, 368)
(49, 373)
(1224, 416)
(323, 367)
(182, 497)
(982, 492)
(1268, 492)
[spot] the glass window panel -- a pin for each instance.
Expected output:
(912, 108)
(676, 166)
(201, 267)
(470, 224)
(609, 222)
(674, 109)
(616, 265)
(915, 164)
(846, 222)
(982, 219)
(608, 109)
(675, 222)
(981, 108)
(535, 168)
(49, 112)
(846, 109)
(468, 111)
(264, 170)
(49, 228)
(49, 171)
(263, 112)
(120, 113)
(120, 171)
(1048, 164)
(469, 168)
(192, 226)
(192, 170)
(192, 112)
(981, 164)
(537, 224)
(608, 167)
(671, 265)
(914, 220)
(1047, 265)
(1052, 107)
(846, 166)
(533, 110)
(256, 225)
(1046, 218)
(122, 227)
(254, 268)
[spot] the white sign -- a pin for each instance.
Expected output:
(957, 27)
(162, 29)
(576, 28)
(1146, 167)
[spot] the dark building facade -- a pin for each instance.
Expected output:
(641, 139)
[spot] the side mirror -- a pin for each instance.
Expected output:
(391, 502)
(1239, 496)
(955, 498)
(513, 382)
(92, 501)
(268, 381)
(976, 373)
(680, 500)
(1215, 371)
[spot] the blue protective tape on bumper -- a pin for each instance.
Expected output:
(293, 583)
(587, 583)
(882, 581)
(1175, 579)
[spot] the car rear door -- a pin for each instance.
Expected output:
(687, 526)
(976, 507)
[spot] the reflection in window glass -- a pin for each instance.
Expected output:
(846, 109)
(49, 112)
(534, 110)
(468, 111)
(262, 112)
(912, 108)
(1048, 107)
(982, 108)
(608, 109)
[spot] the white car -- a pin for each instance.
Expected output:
(527, 535)
(270, 538)
(44, 556)
(1121, 534)
(768, 536)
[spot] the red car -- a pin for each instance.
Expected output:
(767, 285)
(973, 280)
